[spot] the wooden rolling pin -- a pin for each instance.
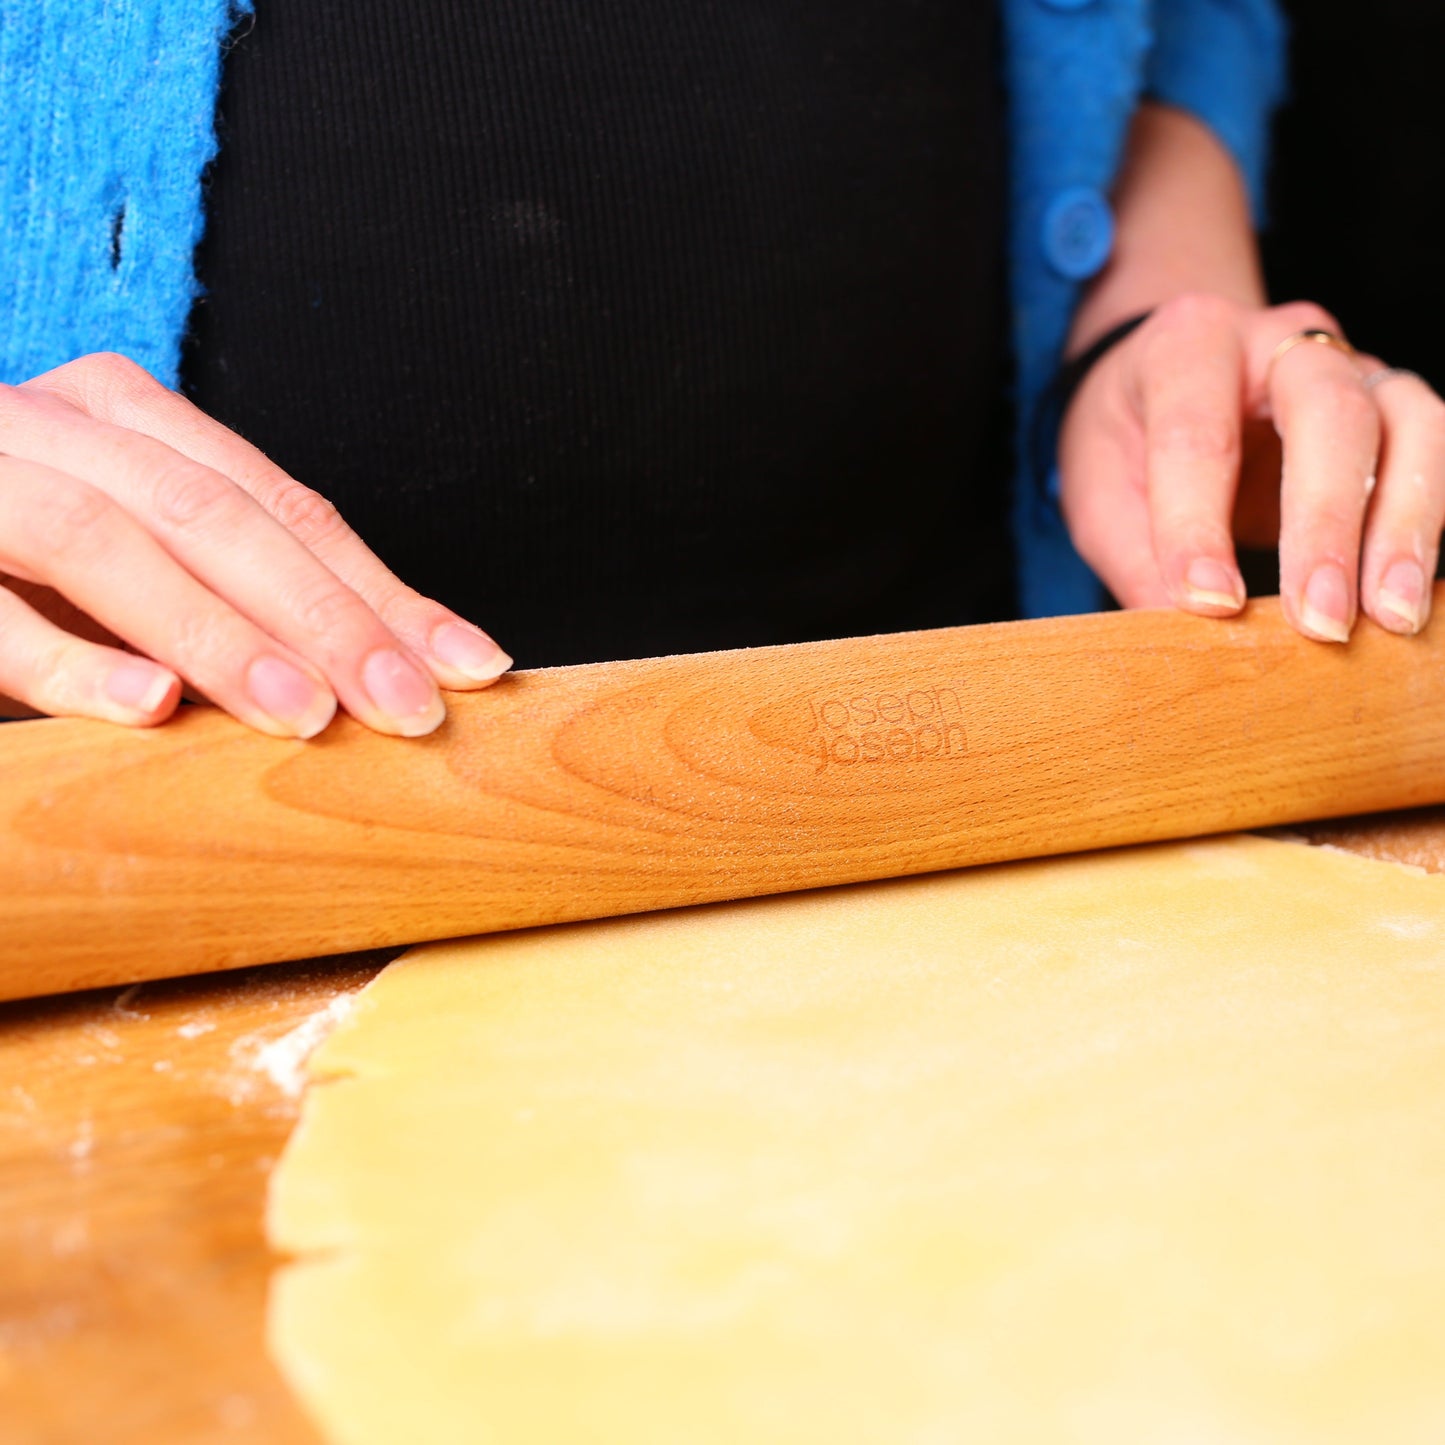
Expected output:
(585, 791)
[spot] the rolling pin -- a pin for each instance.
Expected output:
(581, 792)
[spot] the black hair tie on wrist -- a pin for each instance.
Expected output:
(1053, 404)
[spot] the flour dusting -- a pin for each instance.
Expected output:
(82, 1146)
(283, 1060)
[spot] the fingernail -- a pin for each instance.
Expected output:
(1402, 593)
(1210, 583)
(469, 651)
(404, 694)
(138, 685)
(286, 695)
(1325, 606)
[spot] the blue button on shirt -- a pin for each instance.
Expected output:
(1078, 232)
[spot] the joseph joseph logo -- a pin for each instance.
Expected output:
(912, 725)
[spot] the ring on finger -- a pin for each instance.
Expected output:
(1310, 333)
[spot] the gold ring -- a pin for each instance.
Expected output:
(1311, 333)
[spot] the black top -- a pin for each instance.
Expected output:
(626, 326)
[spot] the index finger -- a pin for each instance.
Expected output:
(1190, 382)
(456, 652)
(228, 543)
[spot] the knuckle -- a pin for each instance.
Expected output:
(307, 515)
(324, 608)
(104, 379)
(95, 381)
(1179, 537)
(57, 675)
(1332, 521)
(1197, 310)
(404, 610)
(39, 666)
(198, 639)
(113, 364)
(70, 520)
(117, 372)
(1328, 524)
(190, 499)
(1350, 407)
(1202, 437)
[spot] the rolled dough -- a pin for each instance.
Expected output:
(1144, 1146)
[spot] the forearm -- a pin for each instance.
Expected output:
(1182, 225)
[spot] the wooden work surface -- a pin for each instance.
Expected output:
(137, 1130)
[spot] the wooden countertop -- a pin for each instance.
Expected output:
(137, 1130)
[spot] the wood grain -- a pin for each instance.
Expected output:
(137, 1130)
(133, 1267)
(589, 791)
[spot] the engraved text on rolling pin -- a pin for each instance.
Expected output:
(912, 725)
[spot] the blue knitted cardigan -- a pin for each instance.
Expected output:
(106, 124)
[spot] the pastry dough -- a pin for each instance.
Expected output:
(1140, 1146)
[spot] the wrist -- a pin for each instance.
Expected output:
(1053, 402)
(1182, 225)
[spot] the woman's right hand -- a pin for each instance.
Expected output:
(142, 523)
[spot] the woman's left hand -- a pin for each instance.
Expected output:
(1172, 448)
